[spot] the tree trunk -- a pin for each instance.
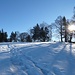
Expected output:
(65, 33)
(61, 34)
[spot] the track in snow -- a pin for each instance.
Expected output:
(38, 59)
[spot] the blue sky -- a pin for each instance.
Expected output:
(21, 15)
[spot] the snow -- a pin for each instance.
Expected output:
(38, 58)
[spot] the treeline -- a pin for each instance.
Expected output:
(40, 33)
(44, 32)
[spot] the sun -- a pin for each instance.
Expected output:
(71, 27)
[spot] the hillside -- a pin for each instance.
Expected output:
(37, 58)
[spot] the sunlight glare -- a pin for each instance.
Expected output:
(71, 27)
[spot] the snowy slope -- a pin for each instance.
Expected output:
(37, 58)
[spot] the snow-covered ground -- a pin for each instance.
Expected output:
(37, 58)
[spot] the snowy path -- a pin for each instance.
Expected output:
(37, 59)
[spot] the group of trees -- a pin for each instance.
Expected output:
(40, 33)
(3, 36)
(20, 37)
(43, 32)
(61, 25)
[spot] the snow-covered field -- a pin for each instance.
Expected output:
(37, 58)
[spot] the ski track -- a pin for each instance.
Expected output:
(56, 59)
(35, 64)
